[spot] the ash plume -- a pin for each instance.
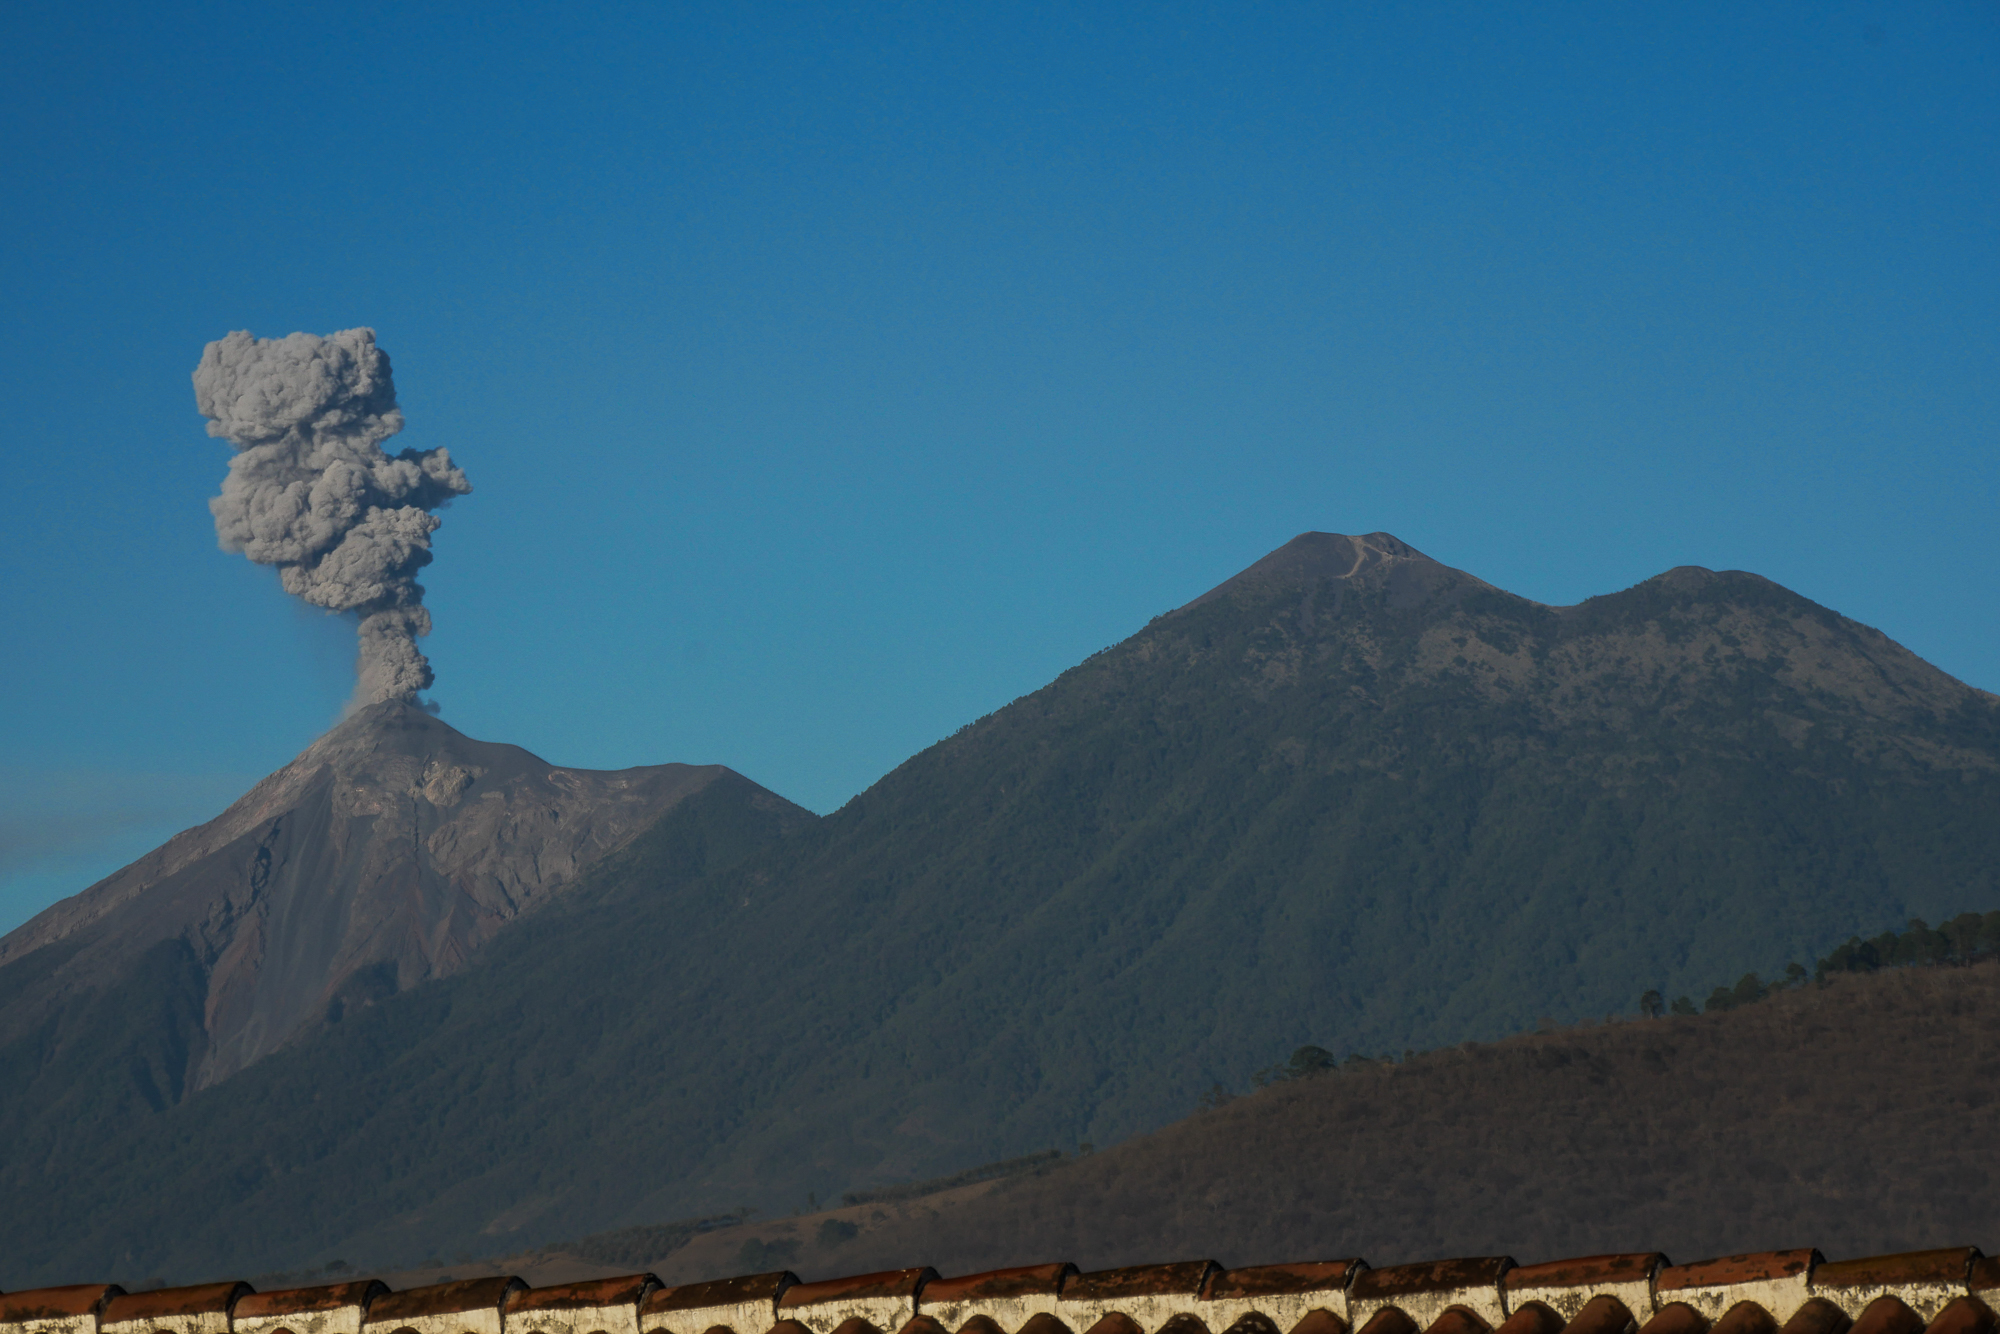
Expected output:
(311, 491)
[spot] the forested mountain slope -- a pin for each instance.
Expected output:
(1352, 797)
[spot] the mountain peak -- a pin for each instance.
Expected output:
(1312, 556)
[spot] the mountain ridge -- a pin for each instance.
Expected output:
(1388, 806)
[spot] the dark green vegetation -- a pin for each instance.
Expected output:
(1351, 798)
(1857, 1116)
(1964, 938)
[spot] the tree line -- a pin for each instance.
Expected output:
(1964, 938)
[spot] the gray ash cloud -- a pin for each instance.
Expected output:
(311, 491)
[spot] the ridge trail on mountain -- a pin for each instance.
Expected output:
(1350, 797)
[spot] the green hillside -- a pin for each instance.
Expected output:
(1352, 798)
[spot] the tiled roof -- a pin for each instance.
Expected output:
(1950, 1291)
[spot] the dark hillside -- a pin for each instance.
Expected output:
(1860, 1116)
(1352, 798)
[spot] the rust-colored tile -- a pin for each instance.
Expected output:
(305, 1301)
(1984, 1276)
(888, 1283)
(1756, 1267)
(1889, 1315)
(1389, 1320)
(1253, 1322)
(629, 1288)
(1949, 1265)
(1967, 1315)
(200, 1299)
(1745, 1318)
(73, 1299)
(1533, 1318)
(996, 1284)
(1818, 1316)
(1043, 1323)
(720, 1292)
(1319, 1321)
(1458, 1320)
(1676, 1318)
(470, 1294)
(923, 1324)
(1603, 1315)
(854, 1324)
(1116, 1323)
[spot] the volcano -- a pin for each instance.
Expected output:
(1351, 797)
(382, 857)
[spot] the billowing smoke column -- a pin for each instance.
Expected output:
(311, 492)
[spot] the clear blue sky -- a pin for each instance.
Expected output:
(831, 376)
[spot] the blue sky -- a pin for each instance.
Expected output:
(830, 376)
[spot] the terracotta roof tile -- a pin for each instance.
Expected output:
(1889, 1315)
(1043, 1323)
(1319, 1320)
(1117, 1322)
(1777, 1282)
(1389, 1320)
(1755, 1267)
(748, 1304)
(165, 1303)
(1745, 1317)
(440, 1299)
(1533, 1318)
(1567, 1286)
(1026, 1281)
(1819, 1316)
(1967, 1315)
(1676, 1318)
(1950, 1265)
(1605, 1314)
(883, 1302)
(293, 1301)
(722, 1292)
(75, 1299)
(1942, 1291)
(629, 1289)
(1458, 1320)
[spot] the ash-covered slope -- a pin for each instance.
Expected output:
(1352, 797)
(385, 855)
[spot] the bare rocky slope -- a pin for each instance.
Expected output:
(384, 856)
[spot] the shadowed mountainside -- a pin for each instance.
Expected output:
(1859, 1116)
(1351, 797)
